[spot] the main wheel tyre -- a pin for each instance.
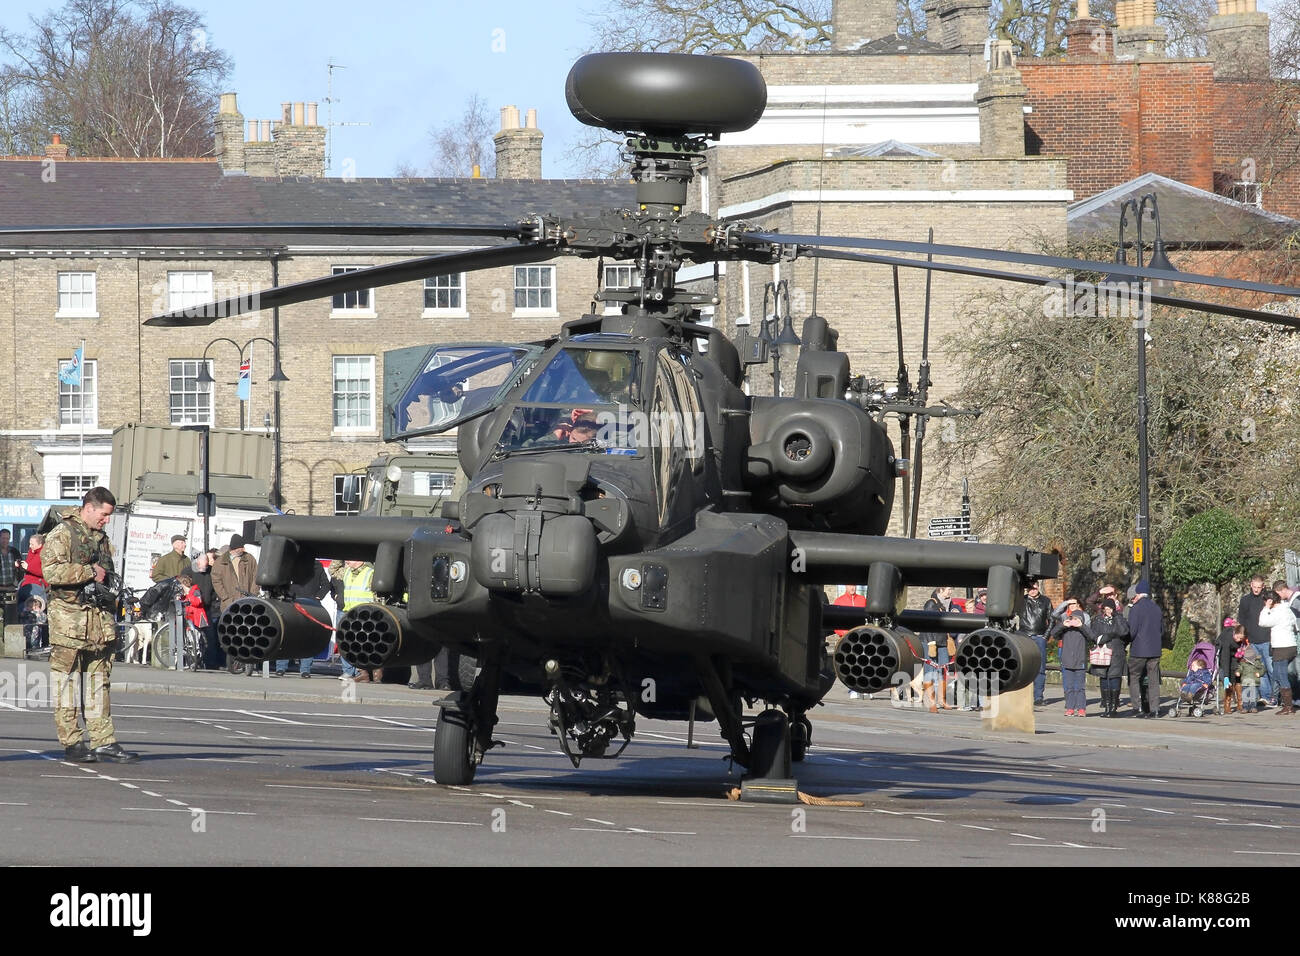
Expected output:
(453, 749)
(800, 738)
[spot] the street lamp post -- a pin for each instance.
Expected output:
(277, 377)
(1158, 260)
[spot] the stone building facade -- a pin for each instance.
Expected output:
(58, 290)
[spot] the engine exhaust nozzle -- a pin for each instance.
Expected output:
(377, 635)
(262, 629)
(1010, 661)
(867, 658)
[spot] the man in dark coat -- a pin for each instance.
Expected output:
(313, 590)
(1034, 622)
(1248, 608)
(1146, 624)
(214, 658)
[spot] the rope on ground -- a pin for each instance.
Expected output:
(807, 798)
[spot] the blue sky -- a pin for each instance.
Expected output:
(409, 65)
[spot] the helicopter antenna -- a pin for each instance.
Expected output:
(904, 419)
(923, 390)
(821, 178)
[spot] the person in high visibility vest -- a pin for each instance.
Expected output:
(355, 580)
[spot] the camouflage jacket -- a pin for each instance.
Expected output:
(67, 558)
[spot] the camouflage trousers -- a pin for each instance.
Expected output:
(79, 679)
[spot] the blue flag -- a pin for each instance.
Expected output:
(245, 377)
(70, 372)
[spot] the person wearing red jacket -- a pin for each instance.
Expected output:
(32, 583)
(194, 612)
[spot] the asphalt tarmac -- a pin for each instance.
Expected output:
(250, 771)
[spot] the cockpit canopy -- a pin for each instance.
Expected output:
(429, 390)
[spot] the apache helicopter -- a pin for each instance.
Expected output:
(639, 536)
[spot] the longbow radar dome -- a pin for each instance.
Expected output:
(665, 94)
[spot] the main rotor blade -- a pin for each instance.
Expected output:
(391, 274)
(1025, 258)
(1194, 305)
(505, 230)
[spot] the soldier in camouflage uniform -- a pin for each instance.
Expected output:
(82, 637)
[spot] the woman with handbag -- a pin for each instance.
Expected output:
(1106, 657)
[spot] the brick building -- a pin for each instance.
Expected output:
(1117, 107)
(56, 290)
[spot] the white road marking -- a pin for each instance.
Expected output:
(282, 720)
(971, 826)
(814, 836)
(1091, 846)
(399, 723)
(928, 819)
(129, 786)
(1201, 816)
(5, 803)
(607, 823)
(1109, 819)
(179, 803)
(446, 823)
(520, 803)
(562, 813)
(1027, 836)
(1066, 846)
(1154, 810)
(218, 813)
(150, 793)
(658, 832)
(1265, 826)
(295, 786)
(1267, 852)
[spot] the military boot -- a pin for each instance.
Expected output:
(114, 753)
(79, 753)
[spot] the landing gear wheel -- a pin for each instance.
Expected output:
(800, 737)
(453, 749)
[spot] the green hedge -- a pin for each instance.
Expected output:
(1184, 641)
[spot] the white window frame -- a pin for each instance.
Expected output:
(188, 289)
(200, 389)
(457, 312)
(334, 393)
(546, 311)
(614, 308)
(1249, 192)
(340, 511)
(89, 369)
(66, 309)
(83, 484)
(366, 312)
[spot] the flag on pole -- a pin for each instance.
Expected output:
(70, 372)
(245, 378)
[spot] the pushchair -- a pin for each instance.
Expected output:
(1204, 700)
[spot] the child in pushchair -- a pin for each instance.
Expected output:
(1198, 690)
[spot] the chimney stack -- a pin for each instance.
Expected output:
(1237, 37)
(963, 24)
(299, 142)
(519, 149)
(228, 135)
(855, 22)
(1086, 36)
(1000, 97)
(57, 149)
(1136, 32)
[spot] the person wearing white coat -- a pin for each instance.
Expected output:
(1281, 622)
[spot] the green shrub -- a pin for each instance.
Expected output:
(1184, 640)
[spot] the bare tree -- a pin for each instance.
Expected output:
(116, 78)
(465, 142)
(1055, 446)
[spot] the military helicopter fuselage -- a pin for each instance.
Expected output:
(639, 535)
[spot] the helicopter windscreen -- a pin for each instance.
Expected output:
(457, 382)
(585, 398)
